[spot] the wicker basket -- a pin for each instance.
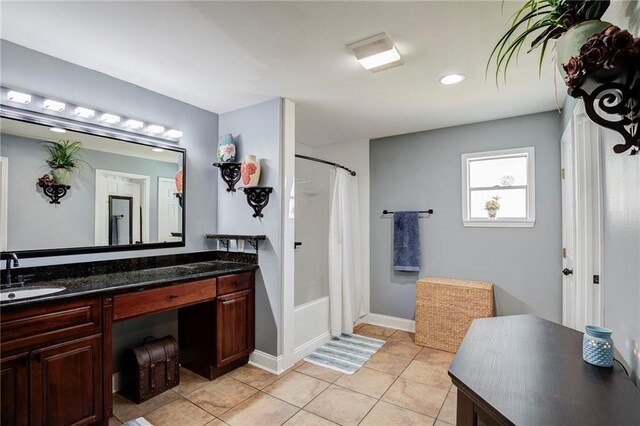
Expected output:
(445, 308)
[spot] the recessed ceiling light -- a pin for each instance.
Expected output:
(451, 78)
(134, 124)
(173, 133)
(84, 112)
(155, 129)
(157, 149)
(377, 53)
(57, 130)
(110, 118)
(19, 97)
(53, 105)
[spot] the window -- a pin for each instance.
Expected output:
(503, 179)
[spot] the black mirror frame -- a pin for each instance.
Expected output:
(119, 135)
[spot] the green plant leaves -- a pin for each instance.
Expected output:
(64, 154)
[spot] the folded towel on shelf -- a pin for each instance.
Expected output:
(406, 242)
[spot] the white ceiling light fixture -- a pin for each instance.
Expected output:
(134, 124)
(173, 133)
(110, 118)
(19, 97)
(83, 112)
(57, 130)
(52, 105)
(155, 129)
(157, 149)
(377, 53)
(449, 79)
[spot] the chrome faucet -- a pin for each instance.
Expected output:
(12, 261)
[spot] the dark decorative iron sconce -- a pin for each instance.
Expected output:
(614, 93)
(179, 197)
(54, 191)
(258, 198)
(230, 173)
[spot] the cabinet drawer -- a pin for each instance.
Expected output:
(49, 322)
(237, 282)
(138, 303)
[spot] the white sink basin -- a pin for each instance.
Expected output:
(26, 292)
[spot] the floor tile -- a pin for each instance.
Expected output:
(416, 396)
(297, 389)
(385, 414)
(179, 412)
(375, 331)
(114, 422)
(400, 347)
(254, 376)
(126, 410)
(434, 356)
(221, 395)
(388, 363)
(341, 406)
(322, 373)
(448, 410)
(358, 326)
(441, 423)
(428, 374)
(367, 381)
(402, 336)
(216, 422)
(189, 381)
(304, 418)
(261, 409)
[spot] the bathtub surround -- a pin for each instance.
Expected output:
(532, 285)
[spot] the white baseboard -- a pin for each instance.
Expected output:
(116, 381)
(391, 322)
(313, 344)
(267, 362)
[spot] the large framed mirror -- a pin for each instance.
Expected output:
(123, 191)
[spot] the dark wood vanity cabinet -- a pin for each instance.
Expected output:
(52, 364)
(234, 327)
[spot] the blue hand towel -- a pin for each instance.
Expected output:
(406, 242)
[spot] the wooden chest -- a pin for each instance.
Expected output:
(150, 369)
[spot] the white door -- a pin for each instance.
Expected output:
(4, 201)
(568, 229)
(169, 221)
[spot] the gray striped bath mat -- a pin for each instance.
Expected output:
(346, 353)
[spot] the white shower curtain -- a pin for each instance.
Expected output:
(345, 266)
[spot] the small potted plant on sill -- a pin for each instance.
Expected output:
(492, 206)
(64, 156)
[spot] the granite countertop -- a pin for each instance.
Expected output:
(130, 280)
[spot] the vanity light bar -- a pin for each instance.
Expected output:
(70, 111)
(53, 105)
(110, 118)
(84, 112)
(19, 97)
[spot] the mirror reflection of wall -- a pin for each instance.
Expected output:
(82, 219)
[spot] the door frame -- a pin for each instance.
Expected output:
(4, 202)
(585, 307)
(158, 207)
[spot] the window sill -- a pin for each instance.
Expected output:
(498, 223)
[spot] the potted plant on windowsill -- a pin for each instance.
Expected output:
(572, 22)
(64, 156)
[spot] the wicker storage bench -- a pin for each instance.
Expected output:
(445, 308)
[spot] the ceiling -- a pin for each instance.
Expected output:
(221, 56)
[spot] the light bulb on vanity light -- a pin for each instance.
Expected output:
(57, 130)
(157, 149)
(52, 105)
(83, 112)
(19, 97)
(134, 124)
(155, 129)
(110, 118)
(173, 133)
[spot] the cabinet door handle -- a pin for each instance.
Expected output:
(173, 296)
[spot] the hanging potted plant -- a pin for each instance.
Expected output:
(64, 156)
(571, 22)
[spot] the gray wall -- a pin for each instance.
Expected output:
(74, 217)
(31, 71)
(257, 130)
(422, 170)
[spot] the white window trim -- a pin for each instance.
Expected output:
(530, 221)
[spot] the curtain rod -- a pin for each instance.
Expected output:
(318, 160)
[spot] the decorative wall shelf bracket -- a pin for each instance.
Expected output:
(179, 197)
(612, 100)
(230, 173)
(54, 191)
(224, 239)
(258, 198)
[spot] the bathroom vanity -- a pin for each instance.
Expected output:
(56, 350)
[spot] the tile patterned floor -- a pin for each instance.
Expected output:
(402, 384)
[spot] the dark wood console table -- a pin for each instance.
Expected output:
(524, 370)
